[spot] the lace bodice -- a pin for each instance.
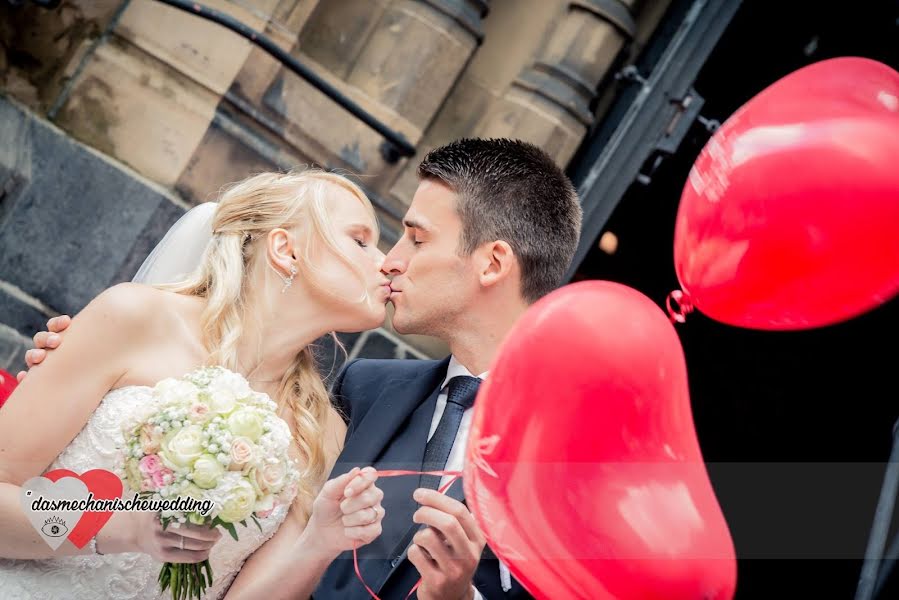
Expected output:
(115, 576)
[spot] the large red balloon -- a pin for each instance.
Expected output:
(790, 216)
(583, 468)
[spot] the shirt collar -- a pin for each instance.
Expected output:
(455, 369)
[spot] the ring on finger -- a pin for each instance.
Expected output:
(375, 518)
(181, 543)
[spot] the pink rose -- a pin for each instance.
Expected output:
(162, 477)
(198, 411)
(150, 464)
(262, 514)
(242, 451)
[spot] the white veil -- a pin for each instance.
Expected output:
(179, 252)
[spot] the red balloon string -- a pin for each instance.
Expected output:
(678, 314)
(398, 473)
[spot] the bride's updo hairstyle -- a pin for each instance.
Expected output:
(247, 212)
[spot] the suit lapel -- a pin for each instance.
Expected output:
(397, 401)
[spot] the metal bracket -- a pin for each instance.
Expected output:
(687, 113)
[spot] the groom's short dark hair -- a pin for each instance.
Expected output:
(513, 191)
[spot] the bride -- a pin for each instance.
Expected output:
(291, 257)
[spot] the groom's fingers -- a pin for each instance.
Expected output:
(60, 323)
(436, 545)
(35, 357)
(426, 565)
(453, 508)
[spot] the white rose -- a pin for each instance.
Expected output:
(264, 504)
(246, 423)
(225, 390)
(176, 390)
(238, 503)
(183, 446)
(207, 471)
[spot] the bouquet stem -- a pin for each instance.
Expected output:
(187, 580)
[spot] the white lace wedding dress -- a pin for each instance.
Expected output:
(115, 576)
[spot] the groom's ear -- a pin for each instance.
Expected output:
(495, 262)
(280, 249)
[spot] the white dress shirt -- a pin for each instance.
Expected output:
(456, 459)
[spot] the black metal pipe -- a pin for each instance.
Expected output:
(398, 147)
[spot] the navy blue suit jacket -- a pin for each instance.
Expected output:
(389, 405)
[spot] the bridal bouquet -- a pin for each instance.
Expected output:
(210, 451)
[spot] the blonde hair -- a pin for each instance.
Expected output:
(247, 212)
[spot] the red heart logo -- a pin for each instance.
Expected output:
(104, 485)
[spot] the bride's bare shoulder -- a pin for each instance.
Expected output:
(144, 307)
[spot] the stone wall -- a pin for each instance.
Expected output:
(123, 113)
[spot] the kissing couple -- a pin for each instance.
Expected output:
(285, 259)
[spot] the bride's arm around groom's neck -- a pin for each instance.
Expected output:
(55, 401)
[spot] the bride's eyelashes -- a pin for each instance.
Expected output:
(361, 243)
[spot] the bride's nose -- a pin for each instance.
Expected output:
(379, 260)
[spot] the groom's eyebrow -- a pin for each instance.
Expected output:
(413, 224)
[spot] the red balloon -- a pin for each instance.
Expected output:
(7, 385)
(789, 217)
(583, 468)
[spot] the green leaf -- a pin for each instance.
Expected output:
(255, 520)
(229, 527)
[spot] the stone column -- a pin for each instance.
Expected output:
(398, 59)
(550, 101)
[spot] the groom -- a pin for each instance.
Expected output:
(492, 228)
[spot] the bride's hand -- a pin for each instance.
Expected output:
(144, 533)
(347, 512)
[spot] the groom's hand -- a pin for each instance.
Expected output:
(44, 341)
(447, 552)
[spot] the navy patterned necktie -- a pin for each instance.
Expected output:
(460, 397)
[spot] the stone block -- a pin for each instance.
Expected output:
(157, 226)
(19, 314)
(43, 46)
(13, 346)
(373, 344)
(412, 59)
(139, 110)
(232, 148)
(330, 358)
(336, 33)
(193, 45)
(70, 229)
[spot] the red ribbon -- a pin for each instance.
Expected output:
(454, 474)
